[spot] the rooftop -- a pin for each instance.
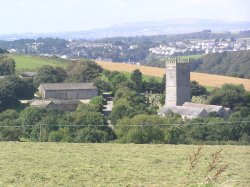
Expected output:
(67, 86)
(184, 111)
(208, 108)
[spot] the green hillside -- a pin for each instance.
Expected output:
(71, 164)
(32, 63)
(227, 63)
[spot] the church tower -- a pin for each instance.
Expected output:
(177, 82)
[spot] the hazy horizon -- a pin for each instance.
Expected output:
(47, 16)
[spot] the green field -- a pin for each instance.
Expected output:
(69, 164)
(32, 63)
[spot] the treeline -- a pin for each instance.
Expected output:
(86, 125)
(227, 63)
(50, 45)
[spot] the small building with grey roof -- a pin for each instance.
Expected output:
(184, 112)
(64, 105)
(68, 91)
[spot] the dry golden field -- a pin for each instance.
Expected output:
(203, 78)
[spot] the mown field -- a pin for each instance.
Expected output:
(68, 164)
(32, 63)
(203, 78)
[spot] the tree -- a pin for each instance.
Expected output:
(136, 77)
(21, 88)
(31, 115)
(102, 85)
(117, 79)
(10, 131)
(7, 66)
(83, 71)
(121, 109)
(197, 89)
(7, 97)
(230, 95)
(98, 102)
(152, 85)
(49, 74)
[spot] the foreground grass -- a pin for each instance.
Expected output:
(65, 164)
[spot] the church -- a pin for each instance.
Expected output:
(178, 94)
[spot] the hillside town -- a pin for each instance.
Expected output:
(201, 47)
(128, 52)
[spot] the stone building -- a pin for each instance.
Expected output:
(177, 82)
(68, 91)
(178, 94)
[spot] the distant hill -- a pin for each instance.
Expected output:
(235, 64)
(174, 26)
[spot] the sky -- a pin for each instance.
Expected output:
(39, 16)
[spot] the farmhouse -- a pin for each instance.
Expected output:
(178, 94)
(68, 91)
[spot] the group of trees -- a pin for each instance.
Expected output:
(236, 63)
(12, 87)
(77, 71)
(173, 130)
(86, 124)
(230, 95)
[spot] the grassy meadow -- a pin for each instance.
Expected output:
(32, 63)
(71, 164)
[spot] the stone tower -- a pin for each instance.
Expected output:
(177, 82)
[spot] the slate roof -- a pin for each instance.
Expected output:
(40, 103)
(44, 103)
(67, 86)
(184, 111)
(64, 102)
(208, 108)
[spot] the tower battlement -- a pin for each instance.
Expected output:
(177, 60)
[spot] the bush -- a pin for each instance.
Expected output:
(62, 135)
(9, 133)
(98, 102)
(91, 135)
